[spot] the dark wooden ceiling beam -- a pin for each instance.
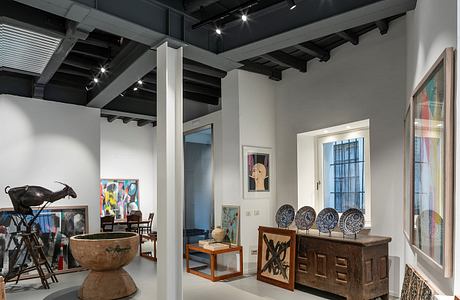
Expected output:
(79, 63)
(142, 123)
(201, 78)
(91, 51)
(383, 26)
(349, 36)
(286, 60)
(110, 119)
(312, 49)
(73, 34)
(272, 73)
(197, 67)
(126, 120)
(206, 99)
(72, 71)
(188, 87)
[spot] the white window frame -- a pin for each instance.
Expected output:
(319, 164)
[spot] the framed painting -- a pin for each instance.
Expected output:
(431, 164)
(54, 227)
(276, 257)
(257, 172)
(231, 224)
(118, 197)
(407, 207)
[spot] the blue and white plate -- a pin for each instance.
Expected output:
(351, 221)
(285, 216)
(327, 220)
(305, 218)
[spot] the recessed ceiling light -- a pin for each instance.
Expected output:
(139, 81)
(325, 131)
(122, 95)
(291, 4)
(135, 89)
(218, 31)
(95, 80)
(348, 127)
(103, 70)
(244, 17)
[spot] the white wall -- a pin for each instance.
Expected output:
(359, 82)
(44, 141)
(128, 151)
(431, 28)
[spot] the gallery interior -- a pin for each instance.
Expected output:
(218, 149)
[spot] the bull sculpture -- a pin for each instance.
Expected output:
(26, 196)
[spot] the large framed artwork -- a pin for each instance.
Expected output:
(54, 227)
(257, 172)
(276, 257)
(407, 207)
(231, 224)
(119, 197)
(431, 164)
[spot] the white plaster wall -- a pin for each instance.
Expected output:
(359, 82)
(431, 28)
(43, 141)
(248, 118)
(128, 151)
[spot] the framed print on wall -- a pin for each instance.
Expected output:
(231, 224)
(276, 257)
(119, 197)
(257, 172)
(407, 207)
(431, 164)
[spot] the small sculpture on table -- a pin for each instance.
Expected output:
(26, 242)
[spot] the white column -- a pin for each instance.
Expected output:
(170, 172)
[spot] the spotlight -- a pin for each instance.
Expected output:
(135, 89)
(102, 69)
(95, 80)
(139, 82)
(291, 4)
(122, 95)
(218, 31)
(244, 17)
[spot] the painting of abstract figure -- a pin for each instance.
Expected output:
(257, 171)
(118, 197)
(231, 224)
(54, 227)
(276, 256)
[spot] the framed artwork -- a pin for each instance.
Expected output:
(276, 257)
(407, 208)
(257, 172)
(231, 224)
(431, 164)
(118, 197)
(54, 226)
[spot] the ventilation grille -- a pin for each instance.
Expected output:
(25, 50)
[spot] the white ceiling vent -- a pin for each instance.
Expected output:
(25, 50)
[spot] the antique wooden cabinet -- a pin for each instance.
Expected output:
(355, 269)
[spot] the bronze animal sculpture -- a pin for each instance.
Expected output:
(26, 196)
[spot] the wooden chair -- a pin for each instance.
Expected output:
(107, 223)
(148, 227)
(133, 223)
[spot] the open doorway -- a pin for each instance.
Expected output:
(198, 183)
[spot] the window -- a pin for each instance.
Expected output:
(343, 172)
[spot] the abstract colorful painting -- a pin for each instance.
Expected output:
(54, 227)
(431, 160)
(276, 256)
(231, 224)
(118, 197)
(257, 171)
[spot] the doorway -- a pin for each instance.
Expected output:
(198, 184)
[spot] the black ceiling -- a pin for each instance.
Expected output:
(86, 47)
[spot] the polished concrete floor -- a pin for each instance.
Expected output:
(144, 273)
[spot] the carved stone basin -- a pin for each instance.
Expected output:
(105, 254)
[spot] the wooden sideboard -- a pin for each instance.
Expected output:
(355, 269)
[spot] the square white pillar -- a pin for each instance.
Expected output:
(170, 172)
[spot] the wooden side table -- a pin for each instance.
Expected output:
(213, 262)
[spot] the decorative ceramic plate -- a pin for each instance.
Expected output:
(285, 216)
(327, 220)
(351, 221)
(305, 218)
